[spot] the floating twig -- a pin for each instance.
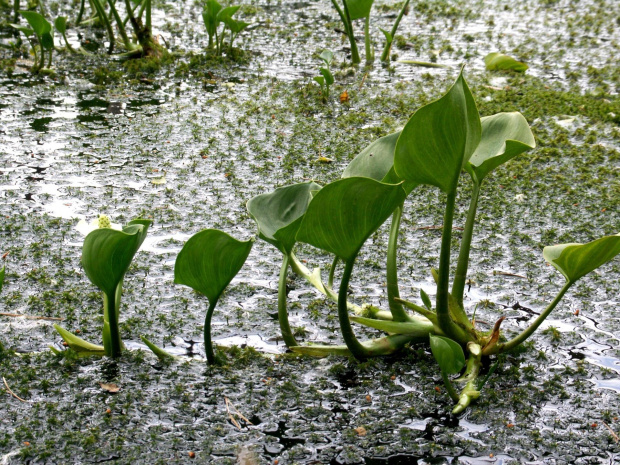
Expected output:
(32, 317)
(11, 392)
(613, 434)
(363, 80)
(232, 411)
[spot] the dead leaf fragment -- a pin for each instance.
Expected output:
(110, 387)
(344, 97)
(361, 431)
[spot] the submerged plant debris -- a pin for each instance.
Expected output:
(98, 137)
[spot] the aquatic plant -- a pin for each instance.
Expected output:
(389, 35)
(213, 14)
(440, 141)
(498, 61)
(41, 29)
(106, 256)
(326, 79)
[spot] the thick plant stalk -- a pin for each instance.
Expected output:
(460, 277)
(398, 313)
(370, 55)
(104, 19)
(444, 319)
(526, 333)
(449, 388)
(111, 341)
(385, 55)
(355, 54)
(207, 333)
(470, 392)
(355, 346)
(285, 327)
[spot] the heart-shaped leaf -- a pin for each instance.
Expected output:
(60, 24)
(499, 61)
(279, 213)
(209, 261)
(439, 139)
(327, 57)
(377, 162)
(504, 136)
(577, 260)
(359, 8)
(448, 353)
(37, 22)
(107, 254)
(344, 213)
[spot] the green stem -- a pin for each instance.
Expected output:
(470, 392)
(357, 349)
(119, 23)
(355, 54)
(16, 9)
(388, 45)
(458, 286)
(370, 56)
(110, 317)
(443, 311)
(147, 18)
(451, 391)
(285, 328)
(332, 271)
(531, 328)
(207, 333)
(80, 13)
(104, 19)
(393, 293)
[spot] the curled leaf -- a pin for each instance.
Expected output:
(498, 61)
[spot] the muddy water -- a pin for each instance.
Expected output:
(188, 149)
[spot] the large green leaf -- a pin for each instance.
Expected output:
(209, 16)
(499, 61)
(107, 254)
(504, 136)
(359, 8)
(344, 213)
(209, 261)
(448, 353)
(439, 139)
(279, 213)
(577, 260)
(37, 22)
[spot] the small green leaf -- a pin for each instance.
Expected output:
(426, 299)
(359, 9)
(439, 139)
(61, 24)
(25, 30)
(225, 14)
(343, 214)
(37, 22)
(79, 345)
(236, 26)
(159, 352)
(319, 79)
(377, 162)
(388, 35)
(327, 57)
(499, 61)
(329, 78)
(448, 353)
(576, 260)
(47, 41)
(279, 213)
(209, 261)
(504, 136)
(107, 254)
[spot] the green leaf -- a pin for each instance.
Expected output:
(359, 8)
(319, 79)
(327, 57)
(499, 61)
(25, 30)
(61, 24)
(345, 213)
(47, 41)
(107, 254)
(426, 299)
(420, 328)
(439, 139)
(236, 26)
(79, 345)
(377, 162)
(329, 78)
(159, 352)
(388, 36)
(279, 213)
(448, 353)
(577, 260)
(225, 14)
(37, 22)
(504, 136)
(209, 261)
(209, 16)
